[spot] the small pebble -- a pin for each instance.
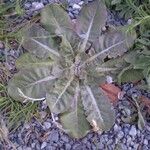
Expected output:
(65, 138)
(129, 21)
(120, 135)
(145, 142)
(47, 125)
(133, 131)
(27, 5)
(76, 6)
(115, 127)
(44, 144)
(33, 145)
(54, 136)
(81, 3)
(37, 5)
(67, 146)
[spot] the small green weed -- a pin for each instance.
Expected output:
(13, 111)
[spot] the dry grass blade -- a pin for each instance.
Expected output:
(4, 134)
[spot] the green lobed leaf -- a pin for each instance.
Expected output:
(29, 61)
(55, 19)
(142, 62)
(90, 21)
(112, 66)
(60, 97)
(130, 75)
(39, 42)
(31, 84)
(113, 36)
(97, 107)
(74, 121)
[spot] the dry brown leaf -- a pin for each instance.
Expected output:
(111, 91)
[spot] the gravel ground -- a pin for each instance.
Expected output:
(43, 133)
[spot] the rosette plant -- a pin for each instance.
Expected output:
(65, 64)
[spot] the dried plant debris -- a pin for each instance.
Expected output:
(61, 68)
(4, 135)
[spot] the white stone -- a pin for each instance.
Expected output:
(81, 3)
(104, 28)
(37, 5)
(116, 127)
(145, 142)
(33, 145)
(129, 21)
(47, 125)
(129, 139)
(76, 6)
(109, 79)
(44, 144)
(133, 131)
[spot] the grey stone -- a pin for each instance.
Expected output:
(33, 145)
(84, 140)
(71, 15)
(78, 146)
(67, 146)
(123, 147)
(76, 6)
(54, 136)
(129, 139)
(37, 147)
(109, 142)
(45, 2)
(37, 5)
(80, 3)
(47, 125)
(135, 146)
(74, 1)
(43, 145)
(88, 145)
(27, 5)
(124, 140)
(19, 148)
(76, 12)
(145, 142)
(49, 147)
(148, 127)
(28, 148)
(100, 145)
(133, 131)
(120, 135)
(147, 137)
(65, 138)
(93, 147)
(129, 148)
(145, 147)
